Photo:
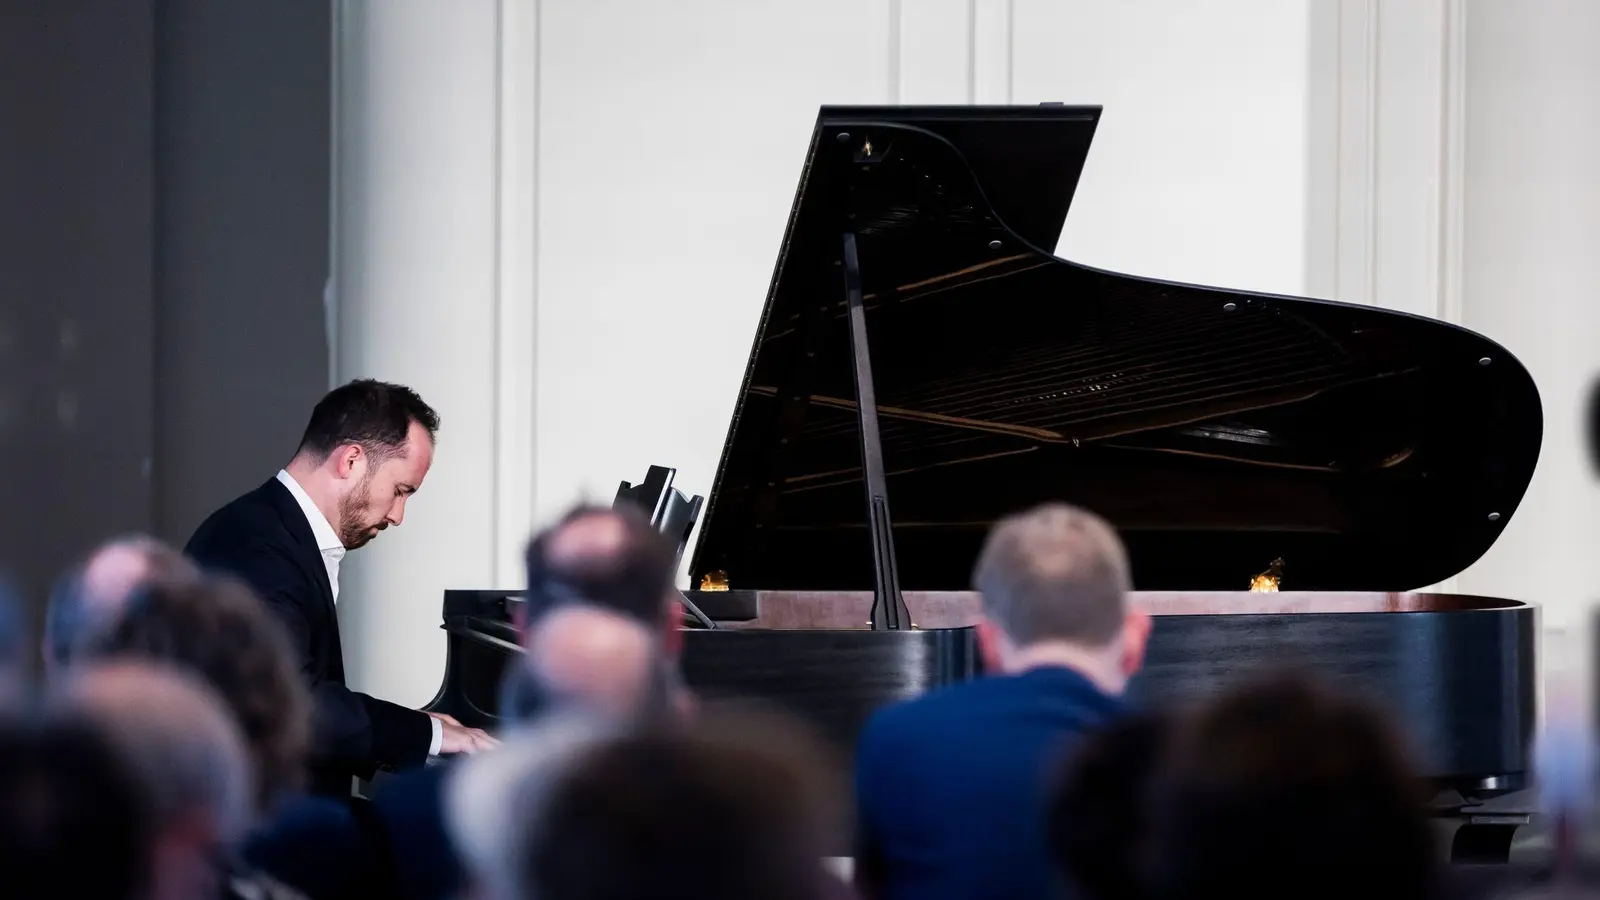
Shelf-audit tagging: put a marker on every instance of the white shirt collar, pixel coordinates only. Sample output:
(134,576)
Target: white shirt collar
(328,543)
(327,539)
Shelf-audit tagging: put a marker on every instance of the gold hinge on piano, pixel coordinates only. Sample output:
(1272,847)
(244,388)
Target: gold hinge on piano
(1269,580)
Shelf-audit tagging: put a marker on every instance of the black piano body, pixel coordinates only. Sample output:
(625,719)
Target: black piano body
(1374,453)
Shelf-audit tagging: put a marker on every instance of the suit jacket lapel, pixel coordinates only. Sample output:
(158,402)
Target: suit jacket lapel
(310,559)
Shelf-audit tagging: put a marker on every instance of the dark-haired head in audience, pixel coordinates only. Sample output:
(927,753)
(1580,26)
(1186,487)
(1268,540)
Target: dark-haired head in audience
(217,629)
(631,815)
(186,751)
(1098,821)
(606,557)
(73,820)
(1285,788)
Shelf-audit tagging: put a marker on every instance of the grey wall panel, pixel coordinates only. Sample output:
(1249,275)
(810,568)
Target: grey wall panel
(76,308)
(242,143)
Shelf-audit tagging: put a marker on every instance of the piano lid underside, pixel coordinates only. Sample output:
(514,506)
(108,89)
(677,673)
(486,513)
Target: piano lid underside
(1218,430)
(1216,440)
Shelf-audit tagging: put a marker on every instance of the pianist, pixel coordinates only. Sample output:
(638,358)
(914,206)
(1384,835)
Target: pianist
(952,786)
(364,453)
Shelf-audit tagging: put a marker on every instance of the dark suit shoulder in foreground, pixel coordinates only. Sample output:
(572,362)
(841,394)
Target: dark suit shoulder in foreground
(952,787)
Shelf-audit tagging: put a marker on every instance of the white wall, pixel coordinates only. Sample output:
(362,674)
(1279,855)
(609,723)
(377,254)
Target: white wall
(417,300)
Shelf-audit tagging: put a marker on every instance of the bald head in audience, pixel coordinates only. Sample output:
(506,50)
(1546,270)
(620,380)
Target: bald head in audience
(609,558)
(188,755)
(88,600)
(592,659)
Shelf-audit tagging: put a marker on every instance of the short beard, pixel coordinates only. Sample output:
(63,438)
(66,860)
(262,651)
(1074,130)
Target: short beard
(353,532)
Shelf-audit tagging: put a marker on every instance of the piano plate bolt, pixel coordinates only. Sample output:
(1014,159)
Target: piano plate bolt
(1229,307)
(1494,517)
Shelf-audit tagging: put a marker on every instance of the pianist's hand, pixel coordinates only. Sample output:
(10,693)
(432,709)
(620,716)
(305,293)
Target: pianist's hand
(458,738)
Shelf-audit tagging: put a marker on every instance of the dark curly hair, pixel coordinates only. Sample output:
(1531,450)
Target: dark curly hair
(218,628)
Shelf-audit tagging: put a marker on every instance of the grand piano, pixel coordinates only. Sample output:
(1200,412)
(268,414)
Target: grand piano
(1289,474)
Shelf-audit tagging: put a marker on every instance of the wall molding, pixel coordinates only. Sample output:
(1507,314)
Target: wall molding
(1387,138)
(950,51)
(516,283)
(1453,163)
(992,46)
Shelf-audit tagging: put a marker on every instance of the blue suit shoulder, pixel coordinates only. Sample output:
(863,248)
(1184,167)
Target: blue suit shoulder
(935,709)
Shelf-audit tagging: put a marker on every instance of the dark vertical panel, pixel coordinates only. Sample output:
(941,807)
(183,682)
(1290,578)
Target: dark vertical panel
(243,93)
(75,278)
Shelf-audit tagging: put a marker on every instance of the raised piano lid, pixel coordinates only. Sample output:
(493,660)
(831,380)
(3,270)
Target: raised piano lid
(1218,429)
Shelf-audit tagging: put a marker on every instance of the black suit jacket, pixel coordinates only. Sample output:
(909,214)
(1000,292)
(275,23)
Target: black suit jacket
(263,538)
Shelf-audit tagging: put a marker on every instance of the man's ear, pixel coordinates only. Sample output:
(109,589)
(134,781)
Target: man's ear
(348,459)
(1135,637)
(990,644)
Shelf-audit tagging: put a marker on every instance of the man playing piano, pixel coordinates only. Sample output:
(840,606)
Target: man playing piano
(365,451)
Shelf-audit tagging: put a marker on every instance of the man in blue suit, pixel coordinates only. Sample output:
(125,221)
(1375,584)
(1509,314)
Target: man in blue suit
(952,787)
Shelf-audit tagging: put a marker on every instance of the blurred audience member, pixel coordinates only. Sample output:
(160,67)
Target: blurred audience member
(186,750)
(591,658)
(951,787)
(216,628)
(1098,820)
(88,599)
(483,807)
(72,816)
(605,557)
(583,659)
(14,650)
(1286,789)
(738,807)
